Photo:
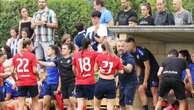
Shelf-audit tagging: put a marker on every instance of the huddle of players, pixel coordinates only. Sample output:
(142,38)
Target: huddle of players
(135,68)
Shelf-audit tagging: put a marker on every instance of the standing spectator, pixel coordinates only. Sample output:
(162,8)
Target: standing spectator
(127,81)
(182,16)
(146,12)
(163,17)
(106,16)
(25,22)
(170,73)
(66,39)
(44,23)
(147,72)
(80,35)
(126,13)
(13,41)
(96,33)
(24,34)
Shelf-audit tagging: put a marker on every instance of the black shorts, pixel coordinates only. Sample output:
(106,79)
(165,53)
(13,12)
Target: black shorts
(171,83)
(85,91)
(67,90)
(2,93)
(50,90)
(153,80)
(105,89)
(27,91)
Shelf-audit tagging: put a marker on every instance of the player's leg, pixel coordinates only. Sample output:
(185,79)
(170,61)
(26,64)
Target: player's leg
(154,90)
(97,103)
(129,92)
(33,92)
(80,95)
(80,103)
(142,93)
(47,98)
(22,94)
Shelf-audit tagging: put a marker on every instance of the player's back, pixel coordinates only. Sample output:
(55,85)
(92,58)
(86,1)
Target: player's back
(108,63)
(24,63)
(84,66)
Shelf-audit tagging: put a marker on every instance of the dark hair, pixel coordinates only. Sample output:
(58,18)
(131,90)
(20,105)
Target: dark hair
(15,29)
(7,51)
(69,46)
(25,30)
(96,14)
(26,42)
(130,39)
(185,53)
(173,52)
(79,26)
(20,10)
(148,6)
(85,43)
(56,49)
(99,2)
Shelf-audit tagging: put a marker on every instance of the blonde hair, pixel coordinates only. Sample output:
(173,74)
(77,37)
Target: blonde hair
(65,37)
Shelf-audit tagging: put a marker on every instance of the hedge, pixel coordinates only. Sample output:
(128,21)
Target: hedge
(68,12)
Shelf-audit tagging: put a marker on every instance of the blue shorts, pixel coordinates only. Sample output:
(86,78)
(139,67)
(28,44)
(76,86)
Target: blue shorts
(43,89)
(127,93)
(2,93)
(105,89)
(50,90)
(27,91)
(152,82)
(85,91)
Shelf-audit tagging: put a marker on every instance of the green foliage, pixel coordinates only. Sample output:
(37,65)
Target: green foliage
(68,12)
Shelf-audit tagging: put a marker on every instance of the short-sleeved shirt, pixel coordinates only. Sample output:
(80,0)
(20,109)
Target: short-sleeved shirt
(84,61)
(191,67)
(52,72)
(164,18)
(173,67)
(124,16)
(24,63)
(183,18)
(106,17)
(127,77)
(142,55)
(1,72)
(108,64)
(65,68)
(101,32)
(78,38)
(43,33)
(149,20)
(13,44)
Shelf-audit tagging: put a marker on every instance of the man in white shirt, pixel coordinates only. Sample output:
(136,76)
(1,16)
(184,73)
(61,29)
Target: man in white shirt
(96,33)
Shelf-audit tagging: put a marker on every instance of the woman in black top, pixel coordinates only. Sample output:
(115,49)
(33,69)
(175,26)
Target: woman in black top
(25,22)
(146,12)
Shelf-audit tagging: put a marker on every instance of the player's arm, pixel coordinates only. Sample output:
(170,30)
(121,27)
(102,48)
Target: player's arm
(128,68)
(59,85)
(48,64)
(160,72)
(188,76)
(13,71)
(96,67)
(147,70)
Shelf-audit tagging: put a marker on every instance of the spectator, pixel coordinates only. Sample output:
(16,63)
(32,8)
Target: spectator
(126,13)
(96,33)
(24,34)
(163,17)
(182,16)
(146,12)
(106,16)
(44,23)
(133,21)
(66,39)
(80,35)
(25,22)
(13,41)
